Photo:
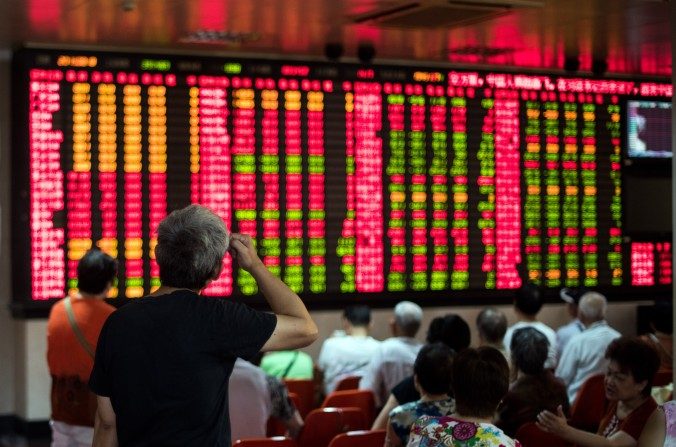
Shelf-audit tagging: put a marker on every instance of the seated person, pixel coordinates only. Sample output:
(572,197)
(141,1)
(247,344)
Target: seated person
(633,364)
(572,298)
(491,325)
(348,355)
(660,430)
(528,301)
(432,377)
(480,381)
(254,398)
(662,326)
(535,388)
(450,330)
(288,365)
(394,358)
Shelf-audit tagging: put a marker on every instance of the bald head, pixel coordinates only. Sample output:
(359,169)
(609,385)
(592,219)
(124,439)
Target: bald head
(592,308)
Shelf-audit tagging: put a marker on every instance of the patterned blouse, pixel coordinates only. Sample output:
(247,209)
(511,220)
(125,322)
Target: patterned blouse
(450,432)
(403,416)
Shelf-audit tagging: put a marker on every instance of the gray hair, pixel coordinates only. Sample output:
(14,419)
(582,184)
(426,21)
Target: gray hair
(492,325)
(529,350)
(592,306)
(191,244)
(408,316)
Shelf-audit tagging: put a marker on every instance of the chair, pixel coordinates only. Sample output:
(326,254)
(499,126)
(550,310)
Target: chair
(590,404)
(359,438)
(323,424)
(363,399)
(277,441)
(275,426)
(663,378)
(305,389)
(348,383)
(530,435)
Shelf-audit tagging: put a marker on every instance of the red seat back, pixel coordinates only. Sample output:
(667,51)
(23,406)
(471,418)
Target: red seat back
(360,438)
(663,378)
(323,424)
(353,398)
(277,441)
(305,389)
(348,383)
(590,404)
(531,436)
(275,426)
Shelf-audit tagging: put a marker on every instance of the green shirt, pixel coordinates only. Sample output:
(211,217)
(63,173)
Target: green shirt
(288,365)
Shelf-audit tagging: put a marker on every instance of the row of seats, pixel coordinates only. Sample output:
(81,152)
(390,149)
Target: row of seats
(357,438)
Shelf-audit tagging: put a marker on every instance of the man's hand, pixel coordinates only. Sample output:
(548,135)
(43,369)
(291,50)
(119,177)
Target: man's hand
(243,252)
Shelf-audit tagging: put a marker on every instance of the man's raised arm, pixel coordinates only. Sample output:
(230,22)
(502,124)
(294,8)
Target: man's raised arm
(295,328)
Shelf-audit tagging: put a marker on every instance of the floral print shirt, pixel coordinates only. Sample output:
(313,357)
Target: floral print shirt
(446,431)
(403,416)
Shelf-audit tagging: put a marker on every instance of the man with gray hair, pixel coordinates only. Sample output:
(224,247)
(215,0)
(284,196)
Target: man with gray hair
(584,354)
(393,360)
(491,324)
(163,362)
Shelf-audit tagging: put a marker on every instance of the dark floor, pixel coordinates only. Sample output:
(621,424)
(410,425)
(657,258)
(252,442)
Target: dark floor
(20,441)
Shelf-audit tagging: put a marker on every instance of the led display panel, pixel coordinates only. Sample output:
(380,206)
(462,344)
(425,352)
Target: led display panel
(352,179)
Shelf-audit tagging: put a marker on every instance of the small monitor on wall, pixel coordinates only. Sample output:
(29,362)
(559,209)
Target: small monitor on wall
(649,129)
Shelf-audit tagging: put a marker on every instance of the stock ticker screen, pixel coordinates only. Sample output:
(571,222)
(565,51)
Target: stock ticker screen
(352,179)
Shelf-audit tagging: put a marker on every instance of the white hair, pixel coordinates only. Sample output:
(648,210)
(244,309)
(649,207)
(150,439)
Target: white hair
(592,306)
(408,316)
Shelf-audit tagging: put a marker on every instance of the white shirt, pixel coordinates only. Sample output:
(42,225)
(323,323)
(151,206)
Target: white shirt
(585,356)
(566,332)
(391,363)
(345,356)
(548,332)
(250,404)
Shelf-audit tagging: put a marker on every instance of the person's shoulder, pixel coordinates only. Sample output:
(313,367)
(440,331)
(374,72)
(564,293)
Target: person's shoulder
(545,329)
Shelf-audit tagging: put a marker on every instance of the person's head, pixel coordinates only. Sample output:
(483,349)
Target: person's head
(528,300)
(661,318)
(491,325)
(529,348)
(480,381)
(450,330)
(358,316)
(592,308)
(433,369)
(631,369)
(572,295)
(191,244)
(96,272)
(407,319)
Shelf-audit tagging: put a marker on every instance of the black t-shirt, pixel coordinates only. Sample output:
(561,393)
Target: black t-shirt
(165,363)
(405,391)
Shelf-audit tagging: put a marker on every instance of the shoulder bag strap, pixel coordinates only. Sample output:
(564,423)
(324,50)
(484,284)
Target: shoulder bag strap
(290,365)
(73,324)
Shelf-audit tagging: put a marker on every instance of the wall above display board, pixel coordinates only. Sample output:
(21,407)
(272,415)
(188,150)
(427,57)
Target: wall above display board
(358,182)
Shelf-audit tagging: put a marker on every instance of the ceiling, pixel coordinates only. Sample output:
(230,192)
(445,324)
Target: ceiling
(631,36)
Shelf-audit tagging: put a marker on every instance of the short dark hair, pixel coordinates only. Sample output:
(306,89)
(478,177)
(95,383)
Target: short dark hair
(636,357)
(450,330)
(661,317)
(528,299)
(434,368)
(492,325)
(95,271)
(358,315)
(528,349)
(480,381)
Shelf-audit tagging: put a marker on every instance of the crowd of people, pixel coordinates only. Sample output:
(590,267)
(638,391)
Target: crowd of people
(175,368)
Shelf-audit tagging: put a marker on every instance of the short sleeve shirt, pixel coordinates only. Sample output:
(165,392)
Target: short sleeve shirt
(450,432)
(403,416)
(165,363)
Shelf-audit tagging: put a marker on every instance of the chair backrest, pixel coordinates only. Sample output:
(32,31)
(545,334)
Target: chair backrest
(363,399)
(277,441)
(359,438)
(321,425)
(531,436)
(348,383)
(305,389)
(663,378)
(590,404)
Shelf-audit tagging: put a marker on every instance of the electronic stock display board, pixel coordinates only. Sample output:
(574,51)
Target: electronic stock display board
(366,180)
